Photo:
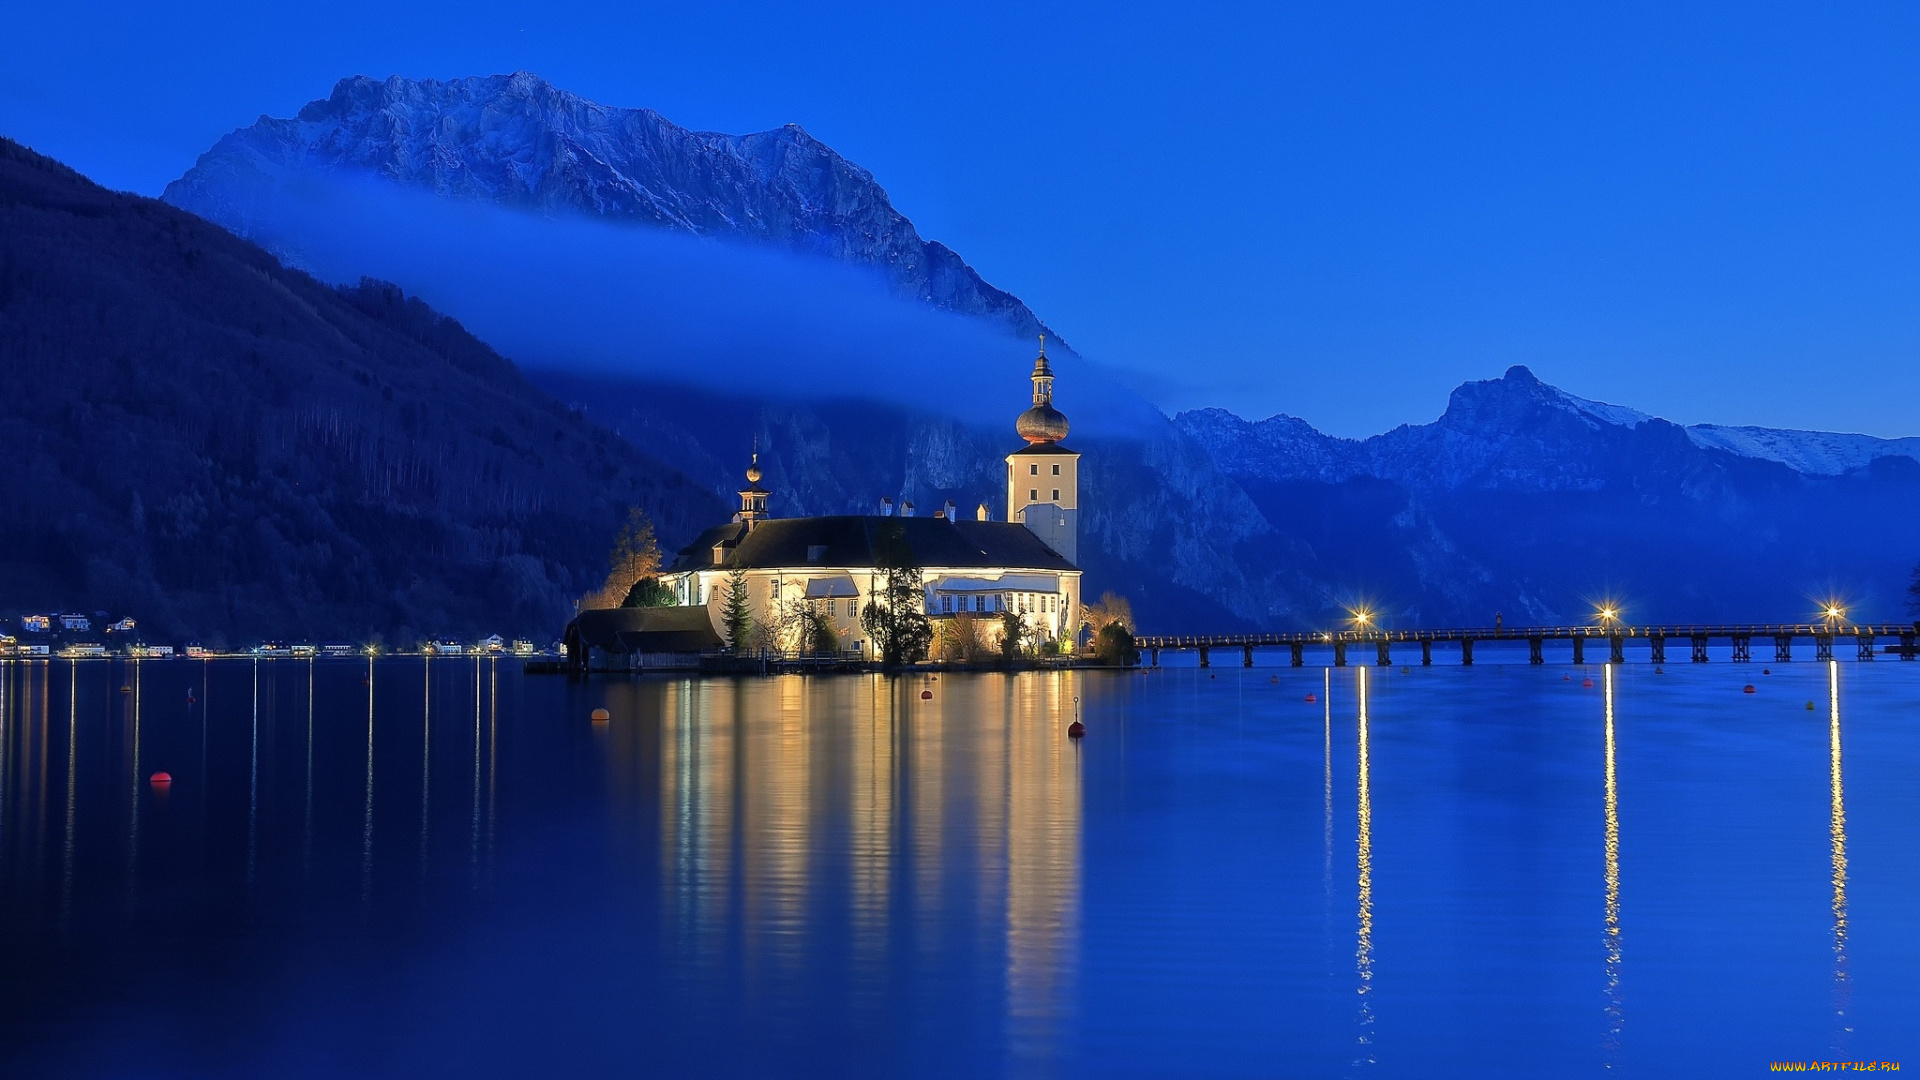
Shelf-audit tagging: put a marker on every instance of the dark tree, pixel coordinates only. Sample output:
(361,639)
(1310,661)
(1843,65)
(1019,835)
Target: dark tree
(893,616)
(1013,634)
(649,592)
(1114,646)
(1913,591)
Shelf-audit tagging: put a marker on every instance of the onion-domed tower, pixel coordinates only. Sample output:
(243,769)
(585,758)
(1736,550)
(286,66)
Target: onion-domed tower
(1043,478)
(753,497)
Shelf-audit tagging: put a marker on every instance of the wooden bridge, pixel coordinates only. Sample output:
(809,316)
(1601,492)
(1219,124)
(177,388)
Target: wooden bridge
(1613,638)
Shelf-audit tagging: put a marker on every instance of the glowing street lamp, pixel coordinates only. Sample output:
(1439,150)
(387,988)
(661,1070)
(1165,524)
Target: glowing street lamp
(1609,615)
(1833,613)
(1362,619)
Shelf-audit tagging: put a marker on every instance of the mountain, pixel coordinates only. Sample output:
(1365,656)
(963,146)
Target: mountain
(1524,499)
(211,442)
(516,140)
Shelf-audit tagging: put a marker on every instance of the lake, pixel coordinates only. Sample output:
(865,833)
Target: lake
(414,867)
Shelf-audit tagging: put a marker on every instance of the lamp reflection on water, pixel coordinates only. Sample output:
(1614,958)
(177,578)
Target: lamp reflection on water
(1837,827)
(1615,1007)
(1364,952)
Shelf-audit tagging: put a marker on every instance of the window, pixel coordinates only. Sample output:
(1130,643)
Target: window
(946,602)
(1056,470)
(1033,469)
(979,603)
(1033,495)
(1056,494)
(776,591)
(853,609)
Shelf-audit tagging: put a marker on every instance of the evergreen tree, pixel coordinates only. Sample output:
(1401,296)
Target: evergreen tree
(1913,591)
(736,612)
(900,630)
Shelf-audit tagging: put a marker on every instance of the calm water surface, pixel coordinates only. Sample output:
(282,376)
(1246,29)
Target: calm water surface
(432,868)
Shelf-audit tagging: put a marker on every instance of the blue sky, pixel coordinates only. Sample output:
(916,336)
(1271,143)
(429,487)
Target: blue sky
(1339,211)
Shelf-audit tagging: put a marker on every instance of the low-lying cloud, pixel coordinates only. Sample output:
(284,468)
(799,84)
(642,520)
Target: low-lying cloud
(585,295)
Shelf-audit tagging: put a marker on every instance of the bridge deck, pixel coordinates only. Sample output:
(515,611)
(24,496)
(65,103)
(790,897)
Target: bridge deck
(1527,633)
(1698,636)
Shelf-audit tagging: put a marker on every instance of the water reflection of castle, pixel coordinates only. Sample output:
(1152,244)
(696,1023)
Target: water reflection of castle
(790,804)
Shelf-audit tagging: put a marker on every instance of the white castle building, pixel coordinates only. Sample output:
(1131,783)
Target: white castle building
(972,566)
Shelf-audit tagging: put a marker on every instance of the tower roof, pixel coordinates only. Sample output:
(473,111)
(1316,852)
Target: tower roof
(1043,423)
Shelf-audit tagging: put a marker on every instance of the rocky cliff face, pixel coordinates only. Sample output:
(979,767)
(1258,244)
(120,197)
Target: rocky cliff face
(517,140)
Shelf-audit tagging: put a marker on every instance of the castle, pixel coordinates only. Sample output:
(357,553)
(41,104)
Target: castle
(974,567)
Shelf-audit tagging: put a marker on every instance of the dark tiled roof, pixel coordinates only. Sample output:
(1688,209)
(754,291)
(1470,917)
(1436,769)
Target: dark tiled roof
(657,629)
(847,541)
(1043,448)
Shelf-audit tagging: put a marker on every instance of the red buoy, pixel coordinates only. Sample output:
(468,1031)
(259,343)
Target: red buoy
(926,695)
(1748,689)
(1313,697)
(601,716)
(160,779)
(1076,729)
(1586,682)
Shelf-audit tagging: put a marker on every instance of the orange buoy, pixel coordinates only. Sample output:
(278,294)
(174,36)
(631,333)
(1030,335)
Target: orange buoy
(601,716)
(926,695)
(1586,682)
(1748,689)
(1313,697)
(160,779)
(1076,729)
(125,689)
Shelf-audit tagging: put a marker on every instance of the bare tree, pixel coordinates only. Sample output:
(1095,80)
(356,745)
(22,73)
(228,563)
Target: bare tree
(635,557)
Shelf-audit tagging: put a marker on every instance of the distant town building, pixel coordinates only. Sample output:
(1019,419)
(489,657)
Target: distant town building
(36,624)
(125,625)
(75,622)
(1024,564)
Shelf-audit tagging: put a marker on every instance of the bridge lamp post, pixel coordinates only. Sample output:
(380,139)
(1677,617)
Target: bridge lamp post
(1609,616)
(1834,613)
(1362,620)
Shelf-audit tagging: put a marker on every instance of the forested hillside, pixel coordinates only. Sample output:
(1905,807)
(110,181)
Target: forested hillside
(195,435)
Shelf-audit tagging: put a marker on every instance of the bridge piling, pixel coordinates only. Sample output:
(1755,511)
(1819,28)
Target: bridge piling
(1534,654)
(1823,646)
(1384,660)
(1618,653)
(1205,659)
(1907,649)
(1742,648)
(1426,652)
(1299,654)
(1783,648)
(1659,650)
(1466,652)
(1156,656)
(1579,649)
(1699,648)
(1865,640)
(1339,654)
